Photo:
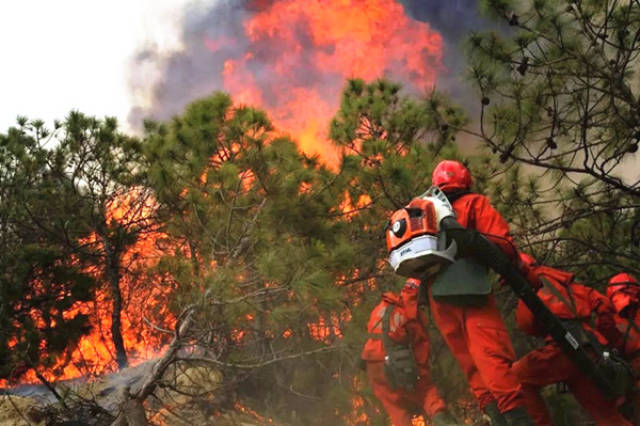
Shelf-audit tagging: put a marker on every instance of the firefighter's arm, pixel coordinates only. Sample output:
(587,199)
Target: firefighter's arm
(600,303)
(489,222)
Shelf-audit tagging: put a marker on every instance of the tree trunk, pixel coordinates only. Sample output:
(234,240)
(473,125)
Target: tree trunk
(113,255)
(132,411)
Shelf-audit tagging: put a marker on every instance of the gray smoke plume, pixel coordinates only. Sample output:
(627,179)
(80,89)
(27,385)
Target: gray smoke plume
(455,20)
(215,33)
(194,71)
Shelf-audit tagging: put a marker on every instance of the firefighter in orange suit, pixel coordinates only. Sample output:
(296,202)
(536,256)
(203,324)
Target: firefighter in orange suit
(568,300)
(624,293)
(397,326)
(475,332)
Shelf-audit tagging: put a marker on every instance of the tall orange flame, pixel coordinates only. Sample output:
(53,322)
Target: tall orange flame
(143,293)
(300,54)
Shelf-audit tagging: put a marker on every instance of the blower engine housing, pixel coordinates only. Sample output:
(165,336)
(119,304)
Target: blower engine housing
(415,241)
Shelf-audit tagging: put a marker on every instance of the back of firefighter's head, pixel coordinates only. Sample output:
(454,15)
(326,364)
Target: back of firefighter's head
(412,285)
(624,292)
(451,176)
(410,296)
(410,291)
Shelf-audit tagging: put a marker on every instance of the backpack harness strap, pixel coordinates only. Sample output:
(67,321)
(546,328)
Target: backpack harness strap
(400,364)
(590,338)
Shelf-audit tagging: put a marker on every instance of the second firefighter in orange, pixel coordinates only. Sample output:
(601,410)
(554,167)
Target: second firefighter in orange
(405,326)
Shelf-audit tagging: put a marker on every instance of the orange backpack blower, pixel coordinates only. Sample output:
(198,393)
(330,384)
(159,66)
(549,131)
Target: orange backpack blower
(415,241)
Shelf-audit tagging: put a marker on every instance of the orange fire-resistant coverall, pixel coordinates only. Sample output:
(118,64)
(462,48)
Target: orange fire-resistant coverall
(629,328)
(549,364)
(630,343)
(407,323)
(628,324)
(477,336)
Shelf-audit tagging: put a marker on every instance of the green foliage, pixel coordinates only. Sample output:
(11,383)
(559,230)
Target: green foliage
(256,220)
(60,190)
(283,258)
(40,282)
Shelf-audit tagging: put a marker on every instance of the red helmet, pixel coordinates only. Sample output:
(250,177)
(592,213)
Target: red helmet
(622,278)
(411,284)
(410,296)
(450,175)
(624,291)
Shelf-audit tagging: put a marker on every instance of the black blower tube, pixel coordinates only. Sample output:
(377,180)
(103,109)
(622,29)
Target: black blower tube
(475,244)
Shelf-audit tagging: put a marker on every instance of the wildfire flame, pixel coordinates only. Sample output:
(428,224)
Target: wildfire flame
(143,295)
(300,53)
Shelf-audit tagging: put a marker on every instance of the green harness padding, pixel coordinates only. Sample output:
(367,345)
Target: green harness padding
(400,365)
(462,283)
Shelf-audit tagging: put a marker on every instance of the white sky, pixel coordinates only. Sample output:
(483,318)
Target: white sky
(59,55)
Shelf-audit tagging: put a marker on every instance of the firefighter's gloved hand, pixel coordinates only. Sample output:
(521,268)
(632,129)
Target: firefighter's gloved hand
(443,418)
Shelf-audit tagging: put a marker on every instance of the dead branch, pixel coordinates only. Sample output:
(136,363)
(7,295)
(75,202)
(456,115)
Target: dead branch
(260,364)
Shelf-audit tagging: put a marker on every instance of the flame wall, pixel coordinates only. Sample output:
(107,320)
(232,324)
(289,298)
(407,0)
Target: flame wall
(292,57)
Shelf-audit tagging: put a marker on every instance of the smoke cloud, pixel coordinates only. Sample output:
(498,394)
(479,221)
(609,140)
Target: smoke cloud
(454,20)
(193,71)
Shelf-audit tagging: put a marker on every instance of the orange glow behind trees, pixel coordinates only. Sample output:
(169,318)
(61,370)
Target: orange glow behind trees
(144,293)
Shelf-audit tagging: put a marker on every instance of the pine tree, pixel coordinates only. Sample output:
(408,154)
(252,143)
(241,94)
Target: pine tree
(39,282)
(102,166)
(82,192)
(255,248)
(559,101)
